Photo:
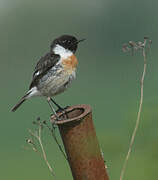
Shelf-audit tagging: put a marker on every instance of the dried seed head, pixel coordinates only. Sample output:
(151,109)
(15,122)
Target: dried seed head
(139,43)
(38,118)
(146,37)
(29,141)
(44,122)
(131,43)
(34,122)
(124,47)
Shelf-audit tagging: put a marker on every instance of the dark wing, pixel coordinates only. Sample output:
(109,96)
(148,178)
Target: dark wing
(43,65)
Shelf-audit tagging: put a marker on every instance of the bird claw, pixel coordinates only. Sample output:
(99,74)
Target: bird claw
(63,110)
(55,118)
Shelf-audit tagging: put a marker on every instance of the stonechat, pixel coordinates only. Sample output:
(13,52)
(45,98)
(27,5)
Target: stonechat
(55,71)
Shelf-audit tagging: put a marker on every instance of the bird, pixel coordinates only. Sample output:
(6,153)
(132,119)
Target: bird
(55,71)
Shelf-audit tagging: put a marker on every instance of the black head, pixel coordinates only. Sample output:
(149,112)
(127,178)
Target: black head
(66,41)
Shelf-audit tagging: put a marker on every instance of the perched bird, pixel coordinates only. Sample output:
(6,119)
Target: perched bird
(55,71)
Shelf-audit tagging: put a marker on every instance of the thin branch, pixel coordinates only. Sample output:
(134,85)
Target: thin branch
(43,151)
(55,139)
(142,47)
(37,135)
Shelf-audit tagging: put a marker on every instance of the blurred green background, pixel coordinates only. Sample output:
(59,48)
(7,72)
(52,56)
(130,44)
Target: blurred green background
(107,79)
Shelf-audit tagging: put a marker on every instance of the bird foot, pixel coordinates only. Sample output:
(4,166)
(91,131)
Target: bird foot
(55,119)
(60,110)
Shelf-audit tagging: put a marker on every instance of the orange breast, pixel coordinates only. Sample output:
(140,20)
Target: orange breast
(70,62)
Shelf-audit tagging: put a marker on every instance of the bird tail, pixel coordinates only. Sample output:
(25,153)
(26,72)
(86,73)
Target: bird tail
(20,102)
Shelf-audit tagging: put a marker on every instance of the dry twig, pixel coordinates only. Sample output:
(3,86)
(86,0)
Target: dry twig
(37,135)
(133,46)
(55,139)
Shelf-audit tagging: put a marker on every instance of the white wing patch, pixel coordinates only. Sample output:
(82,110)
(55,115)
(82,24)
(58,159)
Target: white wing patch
(37,73)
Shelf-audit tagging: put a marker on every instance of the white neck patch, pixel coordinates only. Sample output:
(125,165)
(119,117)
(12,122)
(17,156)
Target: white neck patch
(64,53)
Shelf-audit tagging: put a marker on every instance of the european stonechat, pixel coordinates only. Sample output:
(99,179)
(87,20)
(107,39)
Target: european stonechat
(55,71)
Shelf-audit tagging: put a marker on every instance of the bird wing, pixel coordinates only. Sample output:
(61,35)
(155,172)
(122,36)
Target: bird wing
(43,65)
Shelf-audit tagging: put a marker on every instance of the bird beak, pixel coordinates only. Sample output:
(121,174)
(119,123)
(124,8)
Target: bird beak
(80,40)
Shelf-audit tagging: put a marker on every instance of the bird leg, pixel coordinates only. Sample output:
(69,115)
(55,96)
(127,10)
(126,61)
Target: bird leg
(60,109)
(57,105)
(53,126)
(48,100)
